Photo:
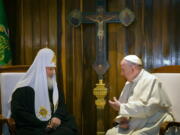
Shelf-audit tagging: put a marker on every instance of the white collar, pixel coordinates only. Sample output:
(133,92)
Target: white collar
(138,76)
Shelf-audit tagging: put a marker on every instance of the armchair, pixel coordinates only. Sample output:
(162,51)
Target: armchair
(170,77)
(9,76)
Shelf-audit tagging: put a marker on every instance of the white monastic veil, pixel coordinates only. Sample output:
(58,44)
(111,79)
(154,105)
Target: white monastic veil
(37,79)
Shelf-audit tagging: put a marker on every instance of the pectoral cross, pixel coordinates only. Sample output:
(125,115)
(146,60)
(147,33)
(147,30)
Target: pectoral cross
(101,18)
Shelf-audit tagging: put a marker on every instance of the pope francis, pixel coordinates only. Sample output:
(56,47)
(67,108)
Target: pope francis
(143,104)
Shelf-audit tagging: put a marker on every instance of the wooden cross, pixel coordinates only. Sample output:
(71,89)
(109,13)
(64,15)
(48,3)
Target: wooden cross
(101,65)
(101,18)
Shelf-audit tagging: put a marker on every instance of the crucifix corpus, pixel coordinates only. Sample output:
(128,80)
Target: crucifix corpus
(101,65)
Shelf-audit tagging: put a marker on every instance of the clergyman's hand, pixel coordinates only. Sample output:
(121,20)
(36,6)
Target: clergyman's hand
(54,123)
(124,123)
(115,104)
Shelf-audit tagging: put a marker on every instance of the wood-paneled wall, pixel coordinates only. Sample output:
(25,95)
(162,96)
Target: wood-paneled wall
(33,25)
(154,36)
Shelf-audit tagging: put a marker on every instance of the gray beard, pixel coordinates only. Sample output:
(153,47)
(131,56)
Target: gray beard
(50,83)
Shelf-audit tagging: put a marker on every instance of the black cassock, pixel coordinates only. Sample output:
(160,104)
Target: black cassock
(23,112)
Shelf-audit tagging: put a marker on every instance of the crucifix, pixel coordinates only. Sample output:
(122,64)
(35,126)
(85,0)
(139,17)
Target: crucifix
(101,18)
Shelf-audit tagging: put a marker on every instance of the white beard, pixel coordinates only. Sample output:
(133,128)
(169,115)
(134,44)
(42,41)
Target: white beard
(50,83)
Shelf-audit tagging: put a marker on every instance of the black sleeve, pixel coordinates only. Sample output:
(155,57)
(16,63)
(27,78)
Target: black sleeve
(22,108)
(61,111)
(66,118)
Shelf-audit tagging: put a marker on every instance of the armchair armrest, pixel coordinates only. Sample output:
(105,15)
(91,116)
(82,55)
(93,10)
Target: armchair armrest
(10,122)
(166,125)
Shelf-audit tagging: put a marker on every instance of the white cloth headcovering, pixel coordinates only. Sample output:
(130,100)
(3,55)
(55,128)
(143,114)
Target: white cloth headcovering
(134,59)
(36,78)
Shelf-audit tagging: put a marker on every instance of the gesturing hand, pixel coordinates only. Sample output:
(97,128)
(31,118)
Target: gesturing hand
(115,104)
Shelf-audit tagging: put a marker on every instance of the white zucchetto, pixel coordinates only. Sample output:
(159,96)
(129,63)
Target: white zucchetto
(134,59)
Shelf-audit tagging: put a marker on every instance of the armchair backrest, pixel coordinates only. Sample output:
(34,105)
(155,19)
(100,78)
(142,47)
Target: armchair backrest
(170,78)
(7,83)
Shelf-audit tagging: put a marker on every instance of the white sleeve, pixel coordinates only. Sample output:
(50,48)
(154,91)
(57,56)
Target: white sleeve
(137,109)
(150,100)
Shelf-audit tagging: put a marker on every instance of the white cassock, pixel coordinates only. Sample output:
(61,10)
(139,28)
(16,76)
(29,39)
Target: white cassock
(146,105)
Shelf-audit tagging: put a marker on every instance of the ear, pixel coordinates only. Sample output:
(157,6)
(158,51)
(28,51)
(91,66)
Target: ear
(133,68)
